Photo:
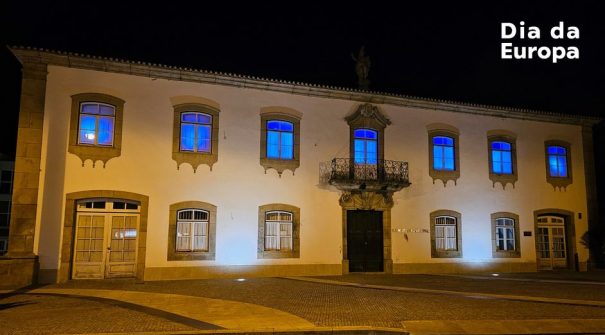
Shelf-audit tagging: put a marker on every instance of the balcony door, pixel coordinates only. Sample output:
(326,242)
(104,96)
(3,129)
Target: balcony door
(365,154)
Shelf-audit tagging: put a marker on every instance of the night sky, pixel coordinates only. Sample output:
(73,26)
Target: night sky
(448,50)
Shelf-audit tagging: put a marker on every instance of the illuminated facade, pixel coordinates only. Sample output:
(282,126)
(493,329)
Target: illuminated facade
(136,170)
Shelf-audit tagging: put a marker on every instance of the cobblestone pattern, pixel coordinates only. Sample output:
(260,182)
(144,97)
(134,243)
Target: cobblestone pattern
(330,305)
(40,314)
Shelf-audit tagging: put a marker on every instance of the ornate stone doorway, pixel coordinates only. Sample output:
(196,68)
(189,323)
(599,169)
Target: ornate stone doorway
(366,232)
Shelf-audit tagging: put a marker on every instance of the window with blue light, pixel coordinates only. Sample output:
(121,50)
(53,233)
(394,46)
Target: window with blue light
(502,157)
(443,153)
(365,146)
(557,161)
(96,124)
(196,132)
(280,139)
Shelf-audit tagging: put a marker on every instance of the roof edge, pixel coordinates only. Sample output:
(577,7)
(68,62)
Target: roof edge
(160,71)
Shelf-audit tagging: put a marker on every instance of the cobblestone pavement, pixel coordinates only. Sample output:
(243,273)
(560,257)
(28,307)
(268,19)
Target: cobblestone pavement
(43,314)
(323,305)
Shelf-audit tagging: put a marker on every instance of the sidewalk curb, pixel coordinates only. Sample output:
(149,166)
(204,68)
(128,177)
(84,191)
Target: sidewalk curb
(316,330)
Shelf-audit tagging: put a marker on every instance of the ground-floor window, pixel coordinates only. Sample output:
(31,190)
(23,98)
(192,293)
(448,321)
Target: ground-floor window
(278,231)
(446,240)
(192,230)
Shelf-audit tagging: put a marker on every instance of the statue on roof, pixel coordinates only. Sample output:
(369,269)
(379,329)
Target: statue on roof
(362,68)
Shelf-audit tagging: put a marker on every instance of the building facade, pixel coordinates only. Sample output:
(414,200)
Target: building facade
(136,170)
(6,185)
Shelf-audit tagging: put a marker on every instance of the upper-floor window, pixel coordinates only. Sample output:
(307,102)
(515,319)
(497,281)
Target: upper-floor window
(558,163)
(443,153)
(192,230)
(280,139)
(502,157)
(196,132)
(96,125)
(195,135)
(365,144)
(502,151)
(6,181)
(5,208)
(95,130)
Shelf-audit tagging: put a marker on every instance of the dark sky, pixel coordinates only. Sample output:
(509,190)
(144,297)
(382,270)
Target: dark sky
(448,50)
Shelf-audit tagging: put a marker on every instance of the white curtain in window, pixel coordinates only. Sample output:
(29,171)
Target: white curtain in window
(272,236)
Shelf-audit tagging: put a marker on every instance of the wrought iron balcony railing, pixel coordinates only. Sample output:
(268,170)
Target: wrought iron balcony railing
(345,173)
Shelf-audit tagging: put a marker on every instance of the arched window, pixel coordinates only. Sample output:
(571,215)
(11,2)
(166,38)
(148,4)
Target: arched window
(192,230)
(446,234)
(557,161)
(278,230)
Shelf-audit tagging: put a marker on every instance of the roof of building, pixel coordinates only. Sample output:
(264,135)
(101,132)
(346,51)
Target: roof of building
(160,71)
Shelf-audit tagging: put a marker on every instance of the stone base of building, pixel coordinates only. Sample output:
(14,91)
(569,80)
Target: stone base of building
(464,267)
(241,271)
(18,272)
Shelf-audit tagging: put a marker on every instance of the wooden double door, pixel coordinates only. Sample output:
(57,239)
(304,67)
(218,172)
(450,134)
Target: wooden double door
(105,242)
(365,241)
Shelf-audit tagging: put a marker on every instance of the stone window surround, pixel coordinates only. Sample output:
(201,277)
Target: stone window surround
(172,254)
(279,114)
(195,159)
(67,243)
(367,116)
(268,254)
(558,182)
(95,152)
(503,136)
(446,253)
(506,253)
(439,129)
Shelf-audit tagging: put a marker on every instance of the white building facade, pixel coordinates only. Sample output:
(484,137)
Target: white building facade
(137,170)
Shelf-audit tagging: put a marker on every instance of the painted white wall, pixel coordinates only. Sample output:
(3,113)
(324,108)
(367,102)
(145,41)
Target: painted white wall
(237,185)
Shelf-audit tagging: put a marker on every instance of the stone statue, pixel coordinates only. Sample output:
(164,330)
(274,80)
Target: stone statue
(362,68)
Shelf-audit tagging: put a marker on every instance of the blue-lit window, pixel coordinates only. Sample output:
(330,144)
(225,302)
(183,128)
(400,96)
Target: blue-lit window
(96,124)
(557,161)
(280,139)
(196,132)
(443,153)
(502,158)
(365,146)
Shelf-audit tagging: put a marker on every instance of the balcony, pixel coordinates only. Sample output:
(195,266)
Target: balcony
(346,175)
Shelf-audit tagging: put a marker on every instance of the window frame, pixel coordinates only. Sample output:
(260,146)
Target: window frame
(191,223)
(280,146)
(502,178)
(278,235)
(443,130)
(558,182)
(438,253)
(195,158)
(365,141)
(496,253)
(263,210)
(280,164)
(95,152)
(177,255)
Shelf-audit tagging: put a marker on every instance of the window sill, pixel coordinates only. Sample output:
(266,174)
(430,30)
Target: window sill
(270,254)
(195,159)
(506,254)
(280,165)
(446,254)
(191,256)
